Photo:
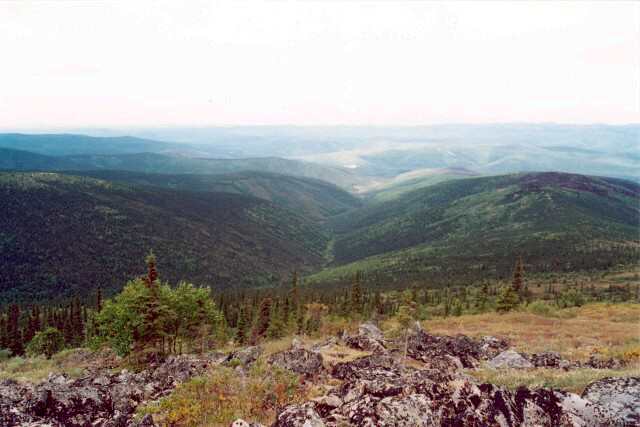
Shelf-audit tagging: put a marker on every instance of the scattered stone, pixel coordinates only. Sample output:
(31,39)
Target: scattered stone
(509,359)
(298,360)
(620,396)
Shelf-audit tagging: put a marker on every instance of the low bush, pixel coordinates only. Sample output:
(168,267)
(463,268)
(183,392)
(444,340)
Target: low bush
(224,394)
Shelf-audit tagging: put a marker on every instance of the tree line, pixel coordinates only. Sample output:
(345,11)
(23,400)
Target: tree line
(150,318)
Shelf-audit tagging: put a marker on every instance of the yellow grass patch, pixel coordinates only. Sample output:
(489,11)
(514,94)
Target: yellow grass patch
(574,380)
(575,333)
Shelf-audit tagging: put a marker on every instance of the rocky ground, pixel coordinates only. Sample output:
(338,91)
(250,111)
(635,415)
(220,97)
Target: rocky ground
(428,387)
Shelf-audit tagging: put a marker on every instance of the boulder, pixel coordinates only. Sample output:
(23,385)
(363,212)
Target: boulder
(369,338)
(490,346)
(619,396)
(299,360)
(299,416)
(435,350)
(244,357)
(597,363)
(547,359)
(509,359)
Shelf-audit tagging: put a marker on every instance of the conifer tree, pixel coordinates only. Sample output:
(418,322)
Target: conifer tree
(151,321)
(264,317)
(99,299)
(4,337)
(14,334)
(507,300)
(356,295)
(242,325)
(518,278)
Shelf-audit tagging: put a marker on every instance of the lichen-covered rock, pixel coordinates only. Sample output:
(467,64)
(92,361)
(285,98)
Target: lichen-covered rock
(509,359)
(597,363)
(432,349)
(619,396)
(298,360)
(369,338)
(490,346)
(244,357)
(105,399)
(299,416)
(547,359)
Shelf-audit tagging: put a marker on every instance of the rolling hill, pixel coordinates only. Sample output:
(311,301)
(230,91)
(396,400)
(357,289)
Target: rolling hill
(63,235)
(72,144)
(461,228)
(149,162)
(312,198)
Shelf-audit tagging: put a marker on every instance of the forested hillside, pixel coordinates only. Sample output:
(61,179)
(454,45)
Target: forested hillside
(465,229)
(64,235)
(312,198)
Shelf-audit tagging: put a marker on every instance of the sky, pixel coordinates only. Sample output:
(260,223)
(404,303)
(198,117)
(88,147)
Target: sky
(136,63)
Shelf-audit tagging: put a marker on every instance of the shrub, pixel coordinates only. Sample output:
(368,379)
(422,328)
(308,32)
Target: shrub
(224,395)
(47,343)
(540,308)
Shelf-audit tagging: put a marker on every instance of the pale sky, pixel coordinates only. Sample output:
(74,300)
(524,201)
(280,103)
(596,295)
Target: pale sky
(136,63)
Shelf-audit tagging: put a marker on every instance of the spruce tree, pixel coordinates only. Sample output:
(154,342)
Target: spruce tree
(356,295)
(507,299)
(264,318)
(14,334)
(518,278)
(151,331)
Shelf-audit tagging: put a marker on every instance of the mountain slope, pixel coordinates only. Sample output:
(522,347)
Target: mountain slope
(62,235)
(311,198)
(479,223)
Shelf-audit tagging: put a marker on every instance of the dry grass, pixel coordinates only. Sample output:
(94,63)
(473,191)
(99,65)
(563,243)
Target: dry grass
(574,380)
(575,333)
(225,394)
(36,369)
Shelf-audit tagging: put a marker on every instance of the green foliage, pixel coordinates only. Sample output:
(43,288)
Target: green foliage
(507,299)
(256,241)
(463,231)
(223,396)
(47,342)
(146,311)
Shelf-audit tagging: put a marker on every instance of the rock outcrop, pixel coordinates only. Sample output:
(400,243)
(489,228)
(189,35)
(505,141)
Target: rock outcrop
(105,399)
(509,359)
(243,357)
(620,396)
(368,338)
(432,349)
(379,390)
(299,360)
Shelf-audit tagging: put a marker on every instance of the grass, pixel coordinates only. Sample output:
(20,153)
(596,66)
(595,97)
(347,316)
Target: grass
(36,369)
(573,380)
(225,394)
(575,333)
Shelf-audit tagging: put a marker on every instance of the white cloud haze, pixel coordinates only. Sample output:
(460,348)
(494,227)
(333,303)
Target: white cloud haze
(135,63)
